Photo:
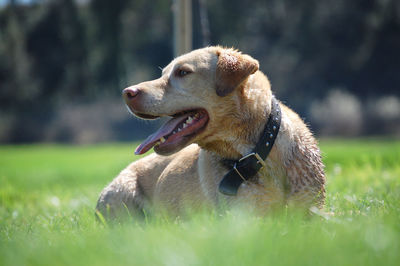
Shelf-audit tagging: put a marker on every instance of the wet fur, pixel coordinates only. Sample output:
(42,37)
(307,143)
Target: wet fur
(237,96)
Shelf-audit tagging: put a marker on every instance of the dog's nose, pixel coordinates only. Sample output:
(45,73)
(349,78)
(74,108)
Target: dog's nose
(130,93)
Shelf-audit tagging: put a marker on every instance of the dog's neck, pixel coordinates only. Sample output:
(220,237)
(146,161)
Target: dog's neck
(246,122)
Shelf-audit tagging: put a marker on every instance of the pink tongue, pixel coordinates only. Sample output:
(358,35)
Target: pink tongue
(166,129)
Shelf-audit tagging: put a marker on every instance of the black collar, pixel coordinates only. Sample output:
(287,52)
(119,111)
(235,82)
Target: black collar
(248,166)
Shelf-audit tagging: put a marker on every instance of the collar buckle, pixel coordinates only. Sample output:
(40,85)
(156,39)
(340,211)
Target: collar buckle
(256,155)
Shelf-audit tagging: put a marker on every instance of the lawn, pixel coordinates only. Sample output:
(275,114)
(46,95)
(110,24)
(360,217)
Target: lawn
(48,194)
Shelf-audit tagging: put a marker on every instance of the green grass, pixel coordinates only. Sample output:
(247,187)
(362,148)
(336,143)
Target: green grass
(48,194)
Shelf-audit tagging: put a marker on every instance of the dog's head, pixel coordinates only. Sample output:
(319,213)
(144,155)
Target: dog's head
(199,91)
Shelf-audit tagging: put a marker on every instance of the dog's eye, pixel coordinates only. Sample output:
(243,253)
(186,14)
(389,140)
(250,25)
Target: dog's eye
(182,73)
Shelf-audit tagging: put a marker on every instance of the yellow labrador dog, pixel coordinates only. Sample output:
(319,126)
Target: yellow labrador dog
(228,140)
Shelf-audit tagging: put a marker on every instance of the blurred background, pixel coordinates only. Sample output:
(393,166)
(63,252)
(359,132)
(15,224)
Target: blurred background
(64,63)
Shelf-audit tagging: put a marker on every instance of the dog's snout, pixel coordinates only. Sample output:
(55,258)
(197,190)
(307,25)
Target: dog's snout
(130,93)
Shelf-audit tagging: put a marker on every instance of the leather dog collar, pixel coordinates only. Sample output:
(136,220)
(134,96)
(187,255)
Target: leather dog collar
(249,165)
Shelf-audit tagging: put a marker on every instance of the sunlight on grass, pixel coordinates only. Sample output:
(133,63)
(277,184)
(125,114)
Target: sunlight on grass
(48,194)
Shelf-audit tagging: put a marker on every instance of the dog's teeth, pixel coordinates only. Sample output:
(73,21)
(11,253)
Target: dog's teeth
(174,132)
(157,143)
(179,129)
(184,125)
(162,139)
(189,120)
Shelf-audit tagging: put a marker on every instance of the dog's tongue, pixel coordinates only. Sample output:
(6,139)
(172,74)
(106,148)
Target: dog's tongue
(165,130)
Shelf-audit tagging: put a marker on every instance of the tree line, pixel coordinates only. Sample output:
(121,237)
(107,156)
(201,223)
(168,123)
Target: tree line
(53,52)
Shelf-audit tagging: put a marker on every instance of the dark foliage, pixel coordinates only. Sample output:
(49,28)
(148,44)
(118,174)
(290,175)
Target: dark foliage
(58,52)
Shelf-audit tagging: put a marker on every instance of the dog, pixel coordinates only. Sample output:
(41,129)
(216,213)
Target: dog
(219,104)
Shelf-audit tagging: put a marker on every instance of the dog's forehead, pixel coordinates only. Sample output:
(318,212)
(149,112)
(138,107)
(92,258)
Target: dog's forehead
(201,58)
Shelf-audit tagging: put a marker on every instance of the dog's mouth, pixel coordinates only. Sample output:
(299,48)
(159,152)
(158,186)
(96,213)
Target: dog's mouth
(176,133)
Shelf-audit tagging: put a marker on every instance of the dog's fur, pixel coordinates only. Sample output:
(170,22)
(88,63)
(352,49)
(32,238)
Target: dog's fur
(237,97)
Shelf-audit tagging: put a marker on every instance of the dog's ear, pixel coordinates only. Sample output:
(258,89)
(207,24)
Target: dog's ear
(232,69)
